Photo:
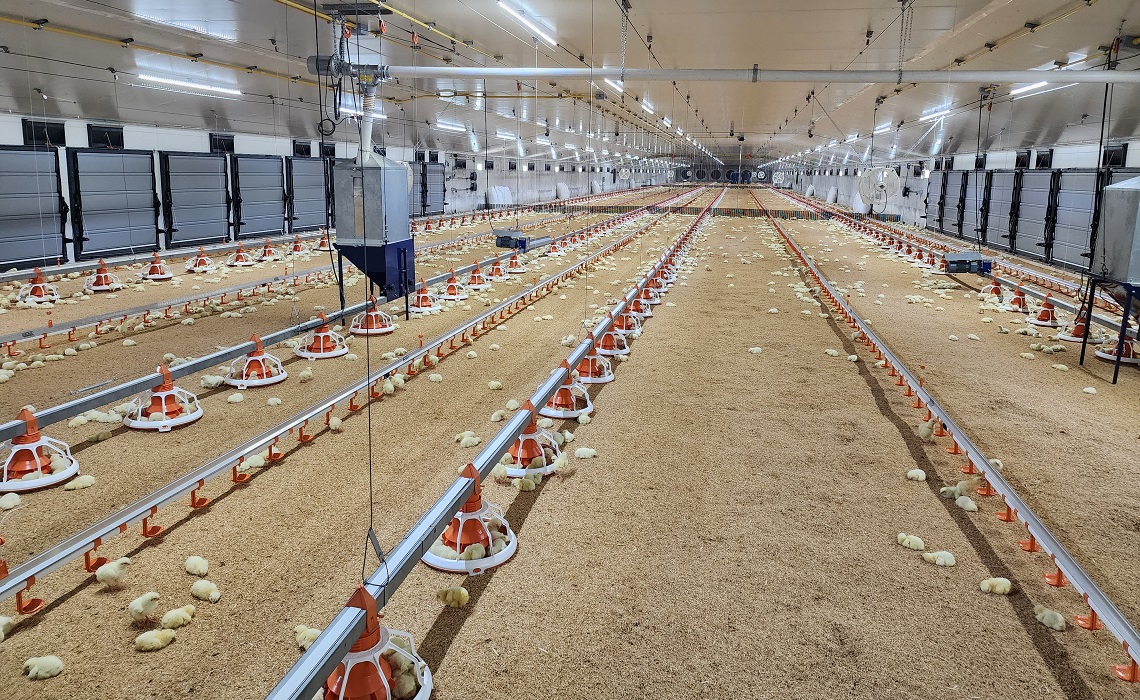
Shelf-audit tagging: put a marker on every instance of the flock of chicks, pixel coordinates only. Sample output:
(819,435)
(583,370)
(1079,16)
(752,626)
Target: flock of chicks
(142,613)
(960,491)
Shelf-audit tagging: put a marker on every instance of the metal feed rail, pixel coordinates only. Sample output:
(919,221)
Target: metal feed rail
(305,677)
(174,254)
(73,408)
(844,219)
(86,542)
(1113,619)
(44,332)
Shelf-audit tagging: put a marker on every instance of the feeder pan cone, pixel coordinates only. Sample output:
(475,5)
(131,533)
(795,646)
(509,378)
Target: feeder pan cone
(514,267)
(640,309)
(452,290)
(650,296)
(1047,316)
(298,247)
(570,400)
(157,270)
(1129,356)
(496,274)
(594,369)
(322,343)
(324,246)
(1078,332)
(38,290)
(372,322)
(1018,303)
(613,344)
(167,407)
(477,280)
(268,252)
(941,269)
(627,324)
(258,368)
(366,671)
(200,263)
(424,302)
(532,445)
(478,522)
(102,280)
(993,289)
(34,452)
(240,258)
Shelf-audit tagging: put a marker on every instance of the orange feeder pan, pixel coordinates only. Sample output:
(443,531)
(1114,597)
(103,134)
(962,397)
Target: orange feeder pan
(200,262)
(452,290)
(1018,303)
(1128,356)
(496,274)
(37,290)
(102,280)
(322,343)
(1078,332)
(478,522)
(258,368)
(372,322)
(268,253)
(424,302)
(532,445)
(240,258)
(35,453)
(594,369)
(514,266)
(166,408)
(365,673)
(324,245)
(477,280)
(298,247)
(569,401)
(627,324)
(613,344)
(1047,316)
(158,270)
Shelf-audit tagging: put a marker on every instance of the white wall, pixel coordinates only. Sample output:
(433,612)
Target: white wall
(911,208)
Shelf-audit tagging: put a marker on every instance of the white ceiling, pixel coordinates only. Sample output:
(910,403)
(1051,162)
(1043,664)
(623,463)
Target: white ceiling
(67,63)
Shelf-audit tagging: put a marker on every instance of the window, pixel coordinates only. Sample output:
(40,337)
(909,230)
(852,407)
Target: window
(530,167)
(421,157)
(302,149)
(433,156)
(937,164)
(1022,160)
(109,137)
(221,143)
(1114,156)
(328,150)
(40,133)
(546,166)
(460,163)
(489,164)
(513,165)
(380,151)
(980,162)
(1044,159)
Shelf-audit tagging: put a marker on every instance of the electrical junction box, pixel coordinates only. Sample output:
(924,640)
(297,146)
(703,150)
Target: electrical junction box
(1116,255)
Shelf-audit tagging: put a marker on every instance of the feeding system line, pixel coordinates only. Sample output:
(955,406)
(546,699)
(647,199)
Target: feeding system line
(305,677)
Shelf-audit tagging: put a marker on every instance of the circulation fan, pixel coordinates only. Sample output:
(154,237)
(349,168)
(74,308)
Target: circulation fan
(624,174)
(877,185)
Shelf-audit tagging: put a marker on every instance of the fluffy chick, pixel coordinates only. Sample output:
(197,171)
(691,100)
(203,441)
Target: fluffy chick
(305,636)
(1050,618)
(178,617)
(111,574)
(154,640)
(41,667)
(205,590)
(143,608)
(996,586)
(197,566)
(939,558)
(911,542)
(966,503)
(455,597)
(916,475)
